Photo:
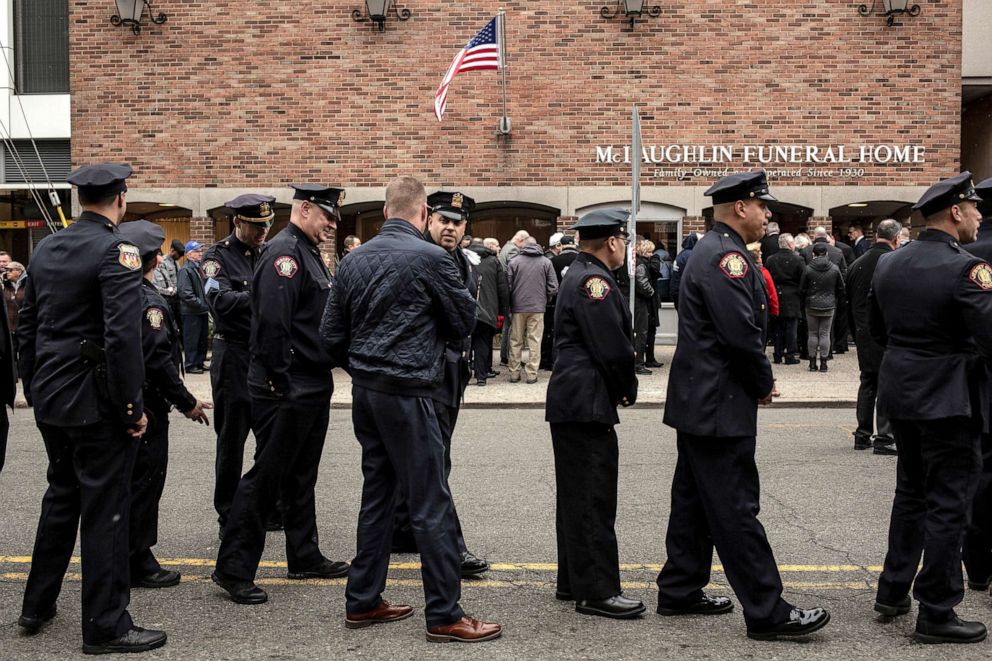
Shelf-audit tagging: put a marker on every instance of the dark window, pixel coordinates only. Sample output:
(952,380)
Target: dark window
(21,164)
(41,44)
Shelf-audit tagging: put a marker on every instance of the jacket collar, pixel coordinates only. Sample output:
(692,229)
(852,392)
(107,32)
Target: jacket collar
(89,216)
(401,226)
(589,258)
(938,236)
(727,230)
(240,245)
(298,233)
(878,246)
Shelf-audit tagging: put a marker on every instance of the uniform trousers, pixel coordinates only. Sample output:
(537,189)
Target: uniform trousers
(89,485)
(586,457)
(4,431)
(840,330)
(447,418)
(402,448)
(548,337)
(715,503)
(867,394)
(290,437)
(147,484)
(482,350)
(232,419)
(977,549)
(936,474)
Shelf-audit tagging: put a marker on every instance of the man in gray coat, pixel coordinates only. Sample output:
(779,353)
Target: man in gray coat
(532,283)
(510,250)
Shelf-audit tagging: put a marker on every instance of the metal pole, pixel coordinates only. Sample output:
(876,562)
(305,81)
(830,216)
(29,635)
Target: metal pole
(505,123)
(635,199)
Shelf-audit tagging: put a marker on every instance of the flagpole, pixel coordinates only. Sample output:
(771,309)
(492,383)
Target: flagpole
(504,125)
(635,199)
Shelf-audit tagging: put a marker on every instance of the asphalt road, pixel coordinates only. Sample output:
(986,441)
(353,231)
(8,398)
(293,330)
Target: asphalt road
(825,507)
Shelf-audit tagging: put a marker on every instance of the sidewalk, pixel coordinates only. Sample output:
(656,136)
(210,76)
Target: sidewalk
(800,388)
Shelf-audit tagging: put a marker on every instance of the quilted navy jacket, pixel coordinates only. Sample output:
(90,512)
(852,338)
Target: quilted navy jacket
(395,301)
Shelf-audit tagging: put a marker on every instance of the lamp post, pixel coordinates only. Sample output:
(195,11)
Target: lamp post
(130,12)
(378,10)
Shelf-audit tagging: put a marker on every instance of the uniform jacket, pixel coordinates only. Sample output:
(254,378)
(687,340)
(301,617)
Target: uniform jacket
(532,280)
(288,292)
(160,347)
(167,276)
(787,268)
(720,371)
(192,298)
(822,285)
(933,335)
(678,268)
(396,302)
(84,283)
(229,267)
(594,369)
(456,351)
(858,285)
(494,292)
(8,371)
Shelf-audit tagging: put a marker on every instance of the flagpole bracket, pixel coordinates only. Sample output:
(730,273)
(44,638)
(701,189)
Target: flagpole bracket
(504,127)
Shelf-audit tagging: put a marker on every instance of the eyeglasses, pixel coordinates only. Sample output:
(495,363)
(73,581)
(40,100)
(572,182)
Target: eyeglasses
(623,237)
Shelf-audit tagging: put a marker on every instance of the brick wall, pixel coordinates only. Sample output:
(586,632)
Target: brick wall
(246,93)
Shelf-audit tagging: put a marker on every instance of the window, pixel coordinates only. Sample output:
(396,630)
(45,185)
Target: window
(41,46)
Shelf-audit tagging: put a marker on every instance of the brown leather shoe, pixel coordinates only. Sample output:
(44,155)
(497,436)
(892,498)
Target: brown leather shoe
(466,630)
(384,612)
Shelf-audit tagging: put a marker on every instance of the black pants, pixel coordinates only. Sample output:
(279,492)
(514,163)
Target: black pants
(977,550)
(4,432)
(232,420)
(402,447)
(447,418)
(548,338)
(867,393)
(784,332)
(196,327)
(715,503)
(89,484)
(147,484)
(640,332)
(649,347)
(586,458)
(839,331)
(290,438)
(937,472)
(482,350)
(802,335)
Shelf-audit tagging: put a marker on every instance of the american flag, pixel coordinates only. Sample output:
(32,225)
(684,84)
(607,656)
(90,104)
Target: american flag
(482,53)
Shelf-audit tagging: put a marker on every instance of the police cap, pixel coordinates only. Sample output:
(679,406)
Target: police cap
(145,234)
(451,205)
(101,179)
(328,199)
(602,223)
(741,186)
(984,190)
(946,194)
(258,209)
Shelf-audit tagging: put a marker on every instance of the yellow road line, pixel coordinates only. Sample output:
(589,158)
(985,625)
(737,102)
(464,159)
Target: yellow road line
(496,566)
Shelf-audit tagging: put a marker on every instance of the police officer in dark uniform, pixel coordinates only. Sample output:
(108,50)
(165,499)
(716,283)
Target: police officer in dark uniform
(8,379)
(977,550)
(162,390)
(289,378)
(83,305)
(446,227)
(228,266)
(719,376)
(593,374)
(933,386)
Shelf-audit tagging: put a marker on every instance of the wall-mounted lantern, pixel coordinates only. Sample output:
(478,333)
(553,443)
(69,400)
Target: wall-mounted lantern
(130,12)
(632,10)
(378,10)
(890,9)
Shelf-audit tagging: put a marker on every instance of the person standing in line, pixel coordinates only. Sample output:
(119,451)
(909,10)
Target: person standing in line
(8,370)
(821,290)
(859,244)
(194,309)
(167,279)
(289,378)
(681,259)
(229,267)
(770,241)
(858,285)
(786,268)
(719,376)
(532,283)
(350,243)
(81,363)
(400,281)
(494,302)
(643,303)
(933,385)
(548,335)
(509,250)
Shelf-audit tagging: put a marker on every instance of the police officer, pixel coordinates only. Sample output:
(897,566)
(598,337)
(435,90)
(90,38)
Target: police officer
(289,378)
(719,376)
(593,374)
(446,227)
(162,390)
(977,550)
(934,388)
(8,378)
(83,304)
(228,266)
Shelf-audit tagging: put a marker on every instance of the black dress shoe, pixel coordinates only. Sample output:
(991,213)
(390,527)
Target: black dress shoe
(191,370)
(791,360)
(492,374)
(274,525)
(480,382)
(641,369)
(473,566)
(32,624)
(704,606)
(654,364)
(242,592)
(135,640)
(862,442)
(980,586)
(801,622)
(618,607)
(564,595)
(894,610)
(326,569)
(885,448)
(954,630)
(163,578)
(777,360)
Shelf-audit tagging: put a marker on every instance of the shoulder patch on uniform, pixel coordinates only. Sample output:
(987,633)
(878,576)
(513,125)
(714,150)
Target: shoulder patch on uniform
(155,316)
(981,275)
(596,288)
(210,268)
(734,265)
(129,257)
(286,266)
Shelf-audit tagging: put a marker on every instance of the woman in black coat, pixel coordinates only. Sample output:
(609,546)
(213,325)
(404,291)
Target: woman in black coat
(787,267)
